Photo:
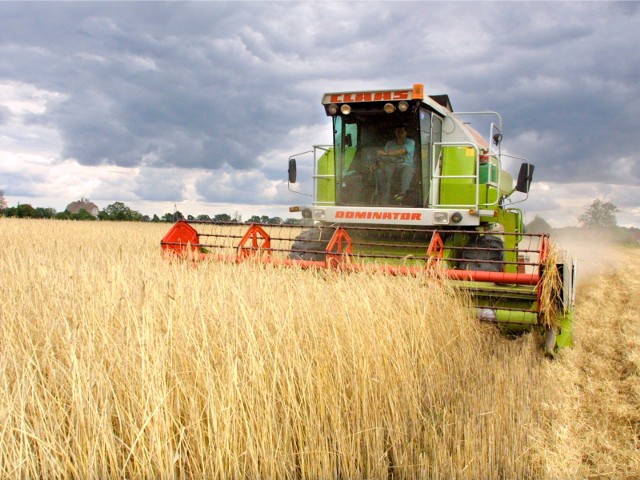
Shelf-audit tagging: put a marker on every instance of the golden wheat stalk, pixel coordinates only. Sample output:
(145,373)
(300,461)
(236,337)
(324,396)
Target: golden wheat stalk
(551,290)
(119,363)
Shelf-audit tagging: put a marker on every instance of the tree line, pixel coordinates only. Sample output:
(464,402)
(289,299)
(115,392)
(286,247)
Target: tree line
(599,215)
(120,212)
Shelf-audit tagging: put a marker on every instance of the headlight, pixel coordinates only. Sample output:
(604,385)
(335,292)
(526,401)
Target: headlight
(441,218)
(456,217)
(318,214)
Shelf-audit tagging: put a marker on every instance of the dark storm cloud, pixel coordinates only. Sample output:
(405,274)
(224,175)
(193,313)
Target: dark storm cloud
(219,85)
(566,73)
(195,93)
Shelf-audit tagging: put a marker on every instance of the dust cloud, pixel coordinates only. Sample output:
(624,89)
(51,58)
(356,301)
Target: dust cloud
(595,252)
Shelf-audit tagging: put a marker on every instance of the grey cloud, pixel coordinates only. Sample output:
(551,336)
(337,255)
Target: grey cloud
(583,90)
(626,8)
(239,187)
(537,201)
(135,97)
(215,85)
(5,114)
(21,185)
(159,185)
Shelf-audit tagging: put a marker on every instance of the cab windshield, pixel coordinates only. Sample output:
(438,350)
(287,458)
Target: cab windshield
(379,159)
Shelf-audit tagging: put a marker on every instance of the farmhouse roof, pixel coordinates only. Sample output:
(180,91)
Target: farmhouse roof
(90,207)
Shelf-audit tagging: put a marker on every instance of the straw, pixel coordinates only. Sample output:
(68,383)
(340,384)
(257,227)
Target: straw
(551,290)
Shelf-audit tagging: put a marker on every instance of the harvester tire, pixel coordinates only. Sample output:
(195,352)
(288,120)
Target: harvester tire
(480,249)
(312,244)
(550,340)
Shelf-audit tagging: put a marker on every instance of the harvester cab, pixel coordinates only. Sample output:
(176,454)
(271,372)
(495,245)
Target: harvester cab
(408,184)
(442,174)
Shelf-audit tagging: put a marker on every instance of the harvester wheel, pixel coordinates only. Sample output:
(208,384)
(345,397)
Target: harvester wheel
(312,244)
(550,340)
(483,253)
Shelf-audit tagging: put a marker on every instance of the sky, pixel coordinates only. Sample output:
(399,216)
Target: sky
(198,106)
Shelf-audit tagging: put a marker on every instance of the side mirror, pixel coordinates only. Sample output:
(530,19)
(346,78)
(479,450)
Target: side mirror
(293,170)
(524,177)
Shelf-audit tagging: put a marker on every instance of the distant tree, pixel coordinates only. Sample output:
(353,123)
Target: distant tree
(118,211)
(204,218)
(45,212)
(155,218)
(599,215)
(172,217)
(190,217)
(293,221)
(9,212)
(25,211)
(264,219)
(222,217)
(3,202)
(538,225)
(82,215)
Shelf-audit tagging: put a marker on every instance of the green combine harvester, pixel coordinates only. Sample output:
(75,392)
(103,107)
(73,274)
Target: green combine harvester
(409,186)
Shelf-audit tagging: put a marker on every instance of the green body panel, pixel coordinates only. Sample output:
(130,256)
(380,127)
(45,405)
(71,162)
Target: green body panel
(511,220)
(326,187)
(487,196)
(524,319)
(493,183)
(458,160)
(504,298)
(488,188)
(488,173)
(565,336)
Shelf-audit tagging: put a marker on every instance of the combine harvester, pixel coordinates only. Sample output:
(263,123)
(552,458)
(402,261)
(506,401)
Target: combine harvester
(407,187)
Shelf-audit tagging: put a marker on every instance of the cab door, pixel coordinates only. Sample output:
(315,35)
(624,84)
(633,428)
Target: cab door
(430,138)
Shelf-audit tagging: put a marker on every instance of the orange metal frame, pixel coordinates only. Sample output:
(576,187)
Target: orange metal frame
(254,235)
(183,240)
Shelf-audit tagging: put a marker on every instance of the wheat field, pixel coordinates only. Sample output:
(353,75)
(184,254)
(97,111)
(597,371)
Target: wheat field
(119,363)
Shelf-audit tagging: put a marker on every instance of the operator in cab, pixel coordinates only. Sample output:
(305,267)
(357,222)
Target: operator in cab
(396,154)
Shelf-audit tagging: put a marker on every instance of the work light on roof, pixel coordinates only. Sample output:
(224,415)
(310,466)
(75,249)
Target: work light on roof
(403,106)
(345,109)
(332,109)
(389,108)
